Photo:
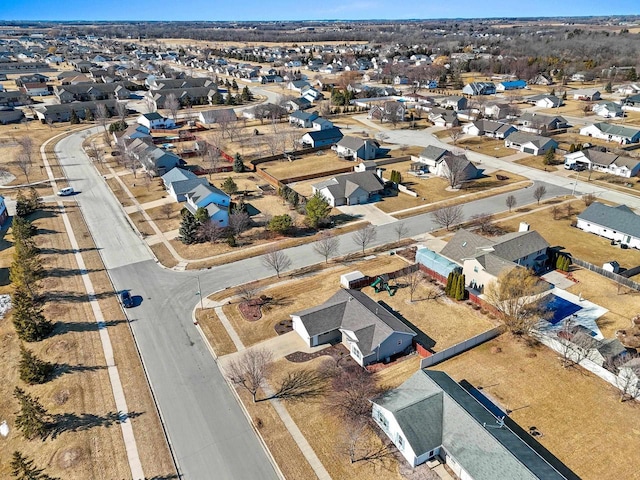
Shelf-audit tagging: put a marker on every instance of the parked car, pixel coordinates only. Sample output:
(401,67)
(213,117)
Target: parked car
(65,192)
(126,299)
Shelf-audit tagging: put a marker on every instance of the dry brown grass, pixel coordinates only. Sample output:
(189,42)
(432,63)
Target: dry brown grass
(575,411)
(313,163)
(215,332)
(326,435)
(583,245)
(141,223)
(119,192)
(75,342)
(445,321)
(487,146)
(160,218)
(143,188)
(294,295)
(537,161)
(163,255)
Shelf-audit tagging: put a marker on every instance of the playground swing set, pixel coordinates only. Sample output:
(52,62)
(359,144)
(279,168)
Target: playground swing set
(382,283)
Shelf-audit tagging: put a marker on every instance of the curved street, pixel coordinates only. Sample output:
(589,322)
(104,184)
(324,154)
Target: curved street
(207,429)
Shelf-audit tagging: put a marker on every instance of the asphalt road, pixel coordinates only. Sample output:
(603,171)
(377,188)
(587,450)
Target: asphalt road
(210,436)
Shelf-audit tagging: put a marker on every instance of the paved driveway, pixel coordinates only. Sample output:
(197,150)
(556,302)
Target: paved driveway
(368,212)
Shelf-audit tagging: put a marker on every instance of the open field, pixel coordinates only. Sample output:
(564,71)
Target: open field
(298,294)
(321,161)
(575,411)
(583,245)
(487,146)
(537,161)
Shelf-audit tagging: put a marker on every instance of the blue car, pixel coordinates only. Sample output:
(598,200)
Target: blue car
(126,300)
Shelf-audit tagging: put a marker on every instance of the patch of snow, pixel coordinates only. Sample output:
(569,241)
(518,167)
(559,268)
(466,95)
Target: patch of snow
(4,429)
(5,304)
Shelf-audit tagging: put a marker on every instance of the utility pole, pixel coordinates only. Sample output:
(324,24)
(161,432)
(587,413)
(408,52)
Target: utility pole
(199,293)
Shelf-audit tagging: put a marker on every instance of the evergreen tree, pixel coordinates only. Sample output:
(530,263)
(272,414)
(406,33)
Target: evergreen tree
(608,87)
(234,85)
(447,287)
(280,224)
(217,98)
(230,100)
(22,468)
(74,118)
(22,229)
(237,99)
(26,267)
(32,418)
(188,232)
(317,209)
(202,216)
(246,95)
(549,157)
(293,198)
(28,319)
(238,165)
(461,292)
(88,115)
(32,369)
(229,186)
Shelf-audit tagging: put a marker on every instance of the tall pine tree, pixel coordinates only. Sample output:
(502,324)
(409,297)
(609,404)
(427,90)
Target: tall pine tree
(32,369)
(31,420)
(22,468)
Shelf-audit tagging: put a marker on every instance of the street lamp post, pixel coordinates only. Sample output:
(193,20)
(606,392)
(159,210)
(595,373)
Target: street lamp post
(575,184)
(199,293)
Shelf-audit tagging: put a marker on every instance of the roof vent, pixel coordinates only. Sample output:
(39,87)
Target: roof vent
(464,244)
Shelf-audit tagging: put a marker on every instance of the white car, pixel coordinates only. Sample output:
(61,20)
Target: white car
(65,192)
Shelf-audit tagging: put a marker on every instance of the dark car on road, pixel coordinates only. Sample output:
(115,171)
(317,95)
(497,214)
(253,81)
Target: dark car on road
(126,300)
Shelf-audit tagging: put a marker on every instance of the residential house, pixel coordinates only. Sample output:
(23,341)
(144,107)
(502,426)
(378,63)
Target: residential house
(303,119)
(14,98)
(544,100)
(619,224)
(608,109)
(443,118)
(212,199)
(155,121)
(537,123)
(297,85)
(321,138)
(489,128)
(497,110)
(479,88)
(511,85)
(210,117)
(156,161)
(530,143)
(350,188)
(10,115)
(391,111)
(131,133)
(430,415)
(4,213)
(62,113)
(606,353)
(297,104)
(370,332)
(455,102)
(632,102)
(607,162)
(620,134)
(429,158)
(32,89)
(541,79)
(586,94)
(354,148)
(321,124)
(185,96)
(483,259)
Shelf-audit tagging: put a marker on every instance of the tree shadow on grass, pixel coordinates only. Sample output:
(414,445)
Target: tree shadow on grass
(71,422)
(163,477)
(65,327)
(75,297)
(61,369)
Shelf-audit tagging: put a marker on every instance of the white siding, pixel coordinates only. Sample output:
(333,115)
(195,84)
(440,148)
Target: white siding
(633,242)
(298,327)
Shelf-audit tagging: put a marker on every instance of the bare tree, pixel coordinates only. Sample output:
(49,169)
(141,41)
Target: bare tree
(401,230)
(327,246)
(588,199)
(248,291)
(555,211)
(172,104)
(121,111)
(364,236)
(167,210)
(455,133)
(23,162)
(150,103)
(447,216)
(514,294)
(627,378)
(510,202)
(210,232)
(575,344)
(26,147)
(250,370)
(102,116)
(362,445)
(352,390)
(539,192)
(413,280)
(455,170)
(277,260)
(239,221)
(94,152)
(484,223)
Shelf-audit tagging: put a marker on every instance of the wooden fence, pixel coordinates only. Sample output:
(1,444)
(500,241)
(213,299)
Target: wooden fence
(367,280)
(613,276)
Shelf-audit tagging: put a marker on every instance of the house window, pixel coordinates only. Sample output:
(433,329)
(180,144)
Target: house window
(382,419)
(400,442)
(475,269)
(400,342)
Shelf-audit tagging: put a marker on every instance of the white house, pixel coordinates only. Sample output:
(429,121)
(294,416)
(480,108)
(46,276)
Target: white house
(370,332)
(489,128)
(155,121)
(608,109)
(544,100)
(607,162)
(620,224)
(530,143)
(354,148)
(430,415)
(586,94)
(612,133)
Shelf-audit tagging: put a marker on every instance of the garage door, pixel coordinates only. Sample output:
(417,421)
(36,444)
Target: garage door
(529,150)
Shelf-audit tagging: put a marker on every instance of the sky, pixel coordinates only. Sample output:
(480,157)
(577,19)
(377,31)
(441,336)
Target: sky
(212,10)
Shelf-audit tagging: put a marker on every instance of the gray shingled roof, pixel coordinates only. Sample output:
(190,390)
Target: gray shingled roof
(619,130)
(493,264)
(433,153)
(330,133)
(354,311)
(525,137)
(467,429)
(513,246)
(352,143)
(465,244)
(619,218)
(177,174)
(341,186)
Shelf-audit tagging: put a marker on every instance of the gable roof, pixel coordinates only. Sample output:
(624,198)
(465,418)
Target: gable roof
(525,137)
(342,186)
(354,311)
(177,174)
(433,153)
(434,410)
(618,130)
(203,190)
(352,143)
(620,218)
(214,116)
(329,133)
